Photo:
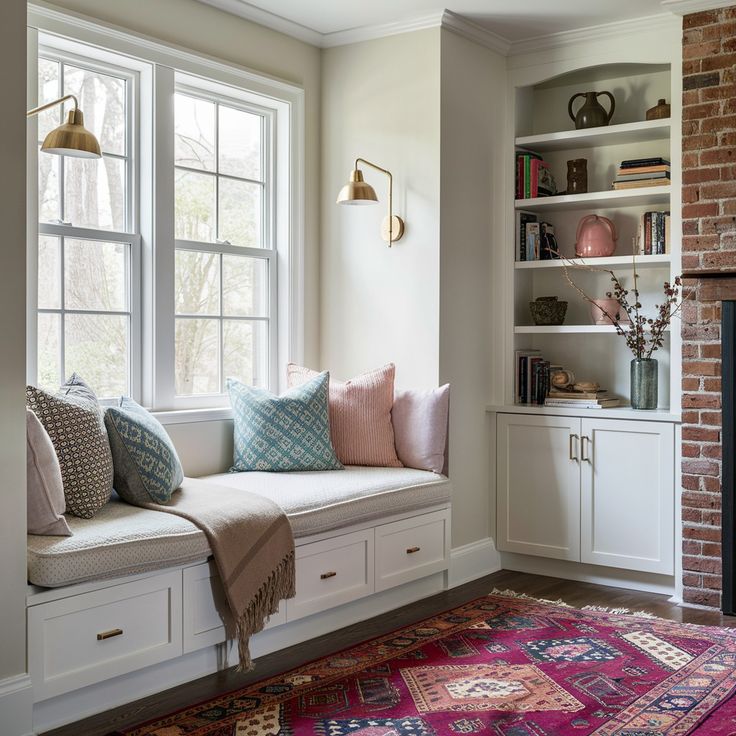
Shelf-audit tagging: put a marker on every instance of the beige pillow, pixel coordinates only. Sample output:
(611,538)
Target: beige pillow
(360,415)
(45,495)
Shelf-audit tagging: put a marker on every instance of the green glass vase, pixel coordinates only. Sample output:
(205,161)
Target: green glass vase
(644,376)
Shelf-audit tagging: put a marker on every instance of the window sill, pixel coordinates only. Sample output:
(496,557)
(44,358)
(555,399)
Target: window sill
(190,416)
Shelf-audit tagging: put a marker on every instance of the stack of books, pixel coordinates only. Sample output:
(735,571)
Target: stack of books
(535,240)
(533,176)
(642,172)
(580,399)
(532,382)
(654,233)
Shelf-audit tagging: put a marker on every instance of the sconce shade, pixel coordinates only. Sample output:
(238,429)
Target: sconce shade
(357,191)
(72,138)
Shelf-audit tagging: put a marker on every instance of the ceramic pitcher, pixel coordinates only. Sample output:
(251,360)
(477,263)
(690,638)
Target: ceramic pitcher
(592,114)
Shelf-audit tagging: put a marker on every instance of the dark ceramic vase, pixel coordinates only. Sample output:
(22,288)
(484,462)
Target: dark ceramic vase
(592,114)
(644,383)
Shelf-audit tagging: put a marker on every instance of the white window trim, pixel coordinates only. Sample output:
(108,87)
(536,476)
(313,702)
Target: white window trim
(287,101)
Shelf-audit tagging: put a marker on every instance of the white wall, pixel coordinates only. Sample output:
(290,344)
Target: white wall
(381,101)
(12,365)
(473,89)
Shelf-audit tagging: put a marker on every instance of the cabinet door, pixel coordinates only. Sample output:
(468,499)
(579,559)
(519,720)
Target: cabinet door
(627,479)
(538,485)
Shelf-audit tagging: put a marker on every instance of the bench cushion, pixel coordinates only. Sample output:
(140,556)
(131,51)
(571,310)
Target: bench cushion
(123,539)
(120,540)
(318,502)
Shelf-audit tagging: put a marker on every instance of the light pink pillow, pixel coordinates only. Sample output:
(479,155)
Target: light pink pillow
(360,415)
(420,427)
(45,492)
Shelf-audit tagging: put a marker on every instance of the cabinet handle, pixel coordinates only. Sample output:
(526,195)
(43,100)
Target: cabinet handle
(109,634)
(412,550)
(326,575)
(570,454)
(584,440)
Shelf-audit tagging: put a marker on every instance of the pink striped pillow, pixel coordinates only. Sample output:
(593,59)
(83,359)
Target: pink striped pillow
(360,415)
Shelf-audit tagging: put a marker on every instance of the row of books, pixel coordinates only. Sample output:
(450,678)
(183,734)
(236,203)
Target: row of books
(532,377)
(533,176)
(642,172)
(654,233)
(535,241)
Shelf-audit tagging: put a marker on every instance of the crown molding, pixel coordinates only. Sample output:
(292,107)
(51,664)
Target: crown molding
(685,7)
(269,20)
(370,33)
(661,21)
(470,30)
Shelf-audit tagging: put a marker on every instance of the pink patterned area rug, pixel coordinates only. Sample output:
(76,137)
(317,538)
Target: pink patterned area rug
(503,665)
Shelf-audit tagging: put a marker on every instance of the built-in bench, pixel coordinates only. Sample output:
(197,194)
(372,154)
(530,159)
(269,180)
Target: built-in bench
(131,604)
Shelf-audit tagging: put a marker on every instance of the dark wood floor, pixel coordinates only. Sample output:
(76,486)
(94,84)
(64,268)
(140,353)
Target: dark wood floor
(576,594)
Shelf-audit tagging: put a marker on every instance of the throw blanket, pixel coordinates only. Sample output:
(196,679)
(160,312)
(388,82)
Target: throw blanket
(251,540)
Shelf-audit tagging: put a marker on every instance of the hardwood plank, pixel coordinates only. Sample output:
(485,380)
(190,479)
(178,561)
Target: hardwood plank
(574,593)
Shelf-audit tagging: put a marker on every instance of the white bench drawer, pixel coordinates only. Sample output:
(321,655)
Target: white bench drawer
(332,572)
(80,640)
(206,610)
(412,548)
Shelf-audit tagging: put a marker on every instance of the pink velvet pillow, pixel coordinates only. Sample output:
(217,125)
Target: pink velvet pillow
(420,427)
(360,415)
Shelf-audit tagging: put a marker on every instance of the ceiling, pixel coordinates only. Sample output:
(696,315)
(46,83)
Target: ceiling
(325,22)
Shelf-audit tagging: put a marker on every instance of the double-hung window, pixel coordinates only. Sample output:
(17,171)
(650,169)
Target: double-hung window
(171,263)
(225,259)
(88,252)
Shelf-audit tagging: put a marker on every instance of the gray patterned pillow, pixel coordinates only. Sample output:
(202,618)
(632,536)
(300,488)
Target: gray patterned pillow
(74,423)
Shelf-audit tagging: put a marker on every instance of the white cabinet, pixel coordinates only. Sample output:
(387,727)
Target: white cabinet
(599,491)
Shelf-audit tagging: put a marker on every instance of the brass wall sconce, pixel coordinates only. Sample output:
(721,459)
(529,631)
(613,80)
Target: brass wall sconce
(357,191)
(71,138)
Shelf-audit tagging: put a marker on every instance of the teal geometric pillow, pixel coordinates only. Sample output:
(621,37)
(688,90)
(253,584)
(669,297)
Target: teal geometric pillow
(282,433)
(145,462)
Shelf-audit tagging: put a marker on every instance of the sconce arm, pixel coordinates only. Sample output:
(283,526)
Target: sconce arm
(390,193)
(60,101)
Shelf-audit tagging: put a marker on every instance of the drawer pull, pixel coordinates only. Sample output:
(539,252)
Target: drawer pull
(326,575)
(412,550)
(109,634)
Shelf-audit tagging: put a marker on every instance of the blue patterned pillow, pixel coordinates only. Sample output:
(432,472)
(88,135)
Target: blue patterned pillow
(145,462)
(289,432)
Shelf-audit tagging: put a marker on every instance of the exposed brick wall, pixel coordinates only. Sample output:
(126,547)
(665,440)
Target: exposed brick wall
(709,241)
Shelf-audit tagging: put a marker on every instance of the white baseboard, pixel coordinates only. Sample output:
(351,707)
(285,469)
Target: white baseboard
(473,561)
(16,706)
(584,573)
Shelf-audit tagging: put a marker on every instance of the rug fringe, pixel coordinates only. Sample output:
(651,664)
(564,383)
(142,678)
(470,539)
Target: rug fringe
(599,609)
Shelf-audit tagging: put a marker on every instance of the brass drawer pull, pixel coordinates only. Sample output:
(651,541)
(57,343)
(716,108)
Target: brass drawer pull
(412,550)
(326,575)
(109,634)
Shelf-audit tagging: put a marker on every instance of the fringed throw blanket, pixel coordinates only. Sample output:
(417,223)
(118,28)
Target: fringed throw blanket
(251,540)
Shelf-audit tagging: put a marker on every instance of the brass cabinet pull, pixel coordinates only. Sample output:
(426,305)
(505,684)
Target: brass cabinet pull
(570,454)
(326,575)
(109,634)
(412,550)
(584,440)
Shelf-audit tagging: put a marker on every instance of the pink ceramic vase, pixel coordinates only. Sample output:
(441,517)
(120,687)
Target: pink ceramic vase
(596,237)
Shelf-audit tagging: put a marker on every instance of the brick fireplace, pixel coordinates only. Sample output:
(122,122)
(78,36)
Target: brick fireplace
(709,259)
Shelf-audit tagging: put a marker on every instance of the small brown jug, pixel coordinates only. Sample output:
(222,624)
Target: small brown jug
(592,114)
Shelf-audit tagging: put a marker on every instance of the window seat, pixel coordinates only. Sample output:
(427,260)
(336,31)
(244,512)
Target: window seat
(123,539)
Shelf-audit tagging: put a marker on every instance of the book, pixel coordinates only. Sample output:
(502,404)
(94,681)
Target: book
(640,183)
(532,241)
(583,404)
(547,242)
(643,177)
(589,395)
(634,162)
(645,169)
(521,374)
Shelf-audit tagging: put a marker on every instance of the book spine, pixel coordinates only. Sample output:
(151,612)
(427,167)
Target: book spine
(527,177)
(647,233)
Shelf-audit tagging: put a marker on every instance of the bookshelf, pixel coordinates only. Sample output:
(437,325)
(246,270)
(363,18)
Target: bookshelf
(538,122)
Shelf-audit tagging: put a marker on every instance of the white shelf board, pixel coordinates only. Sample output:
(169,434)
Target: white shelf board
(607,135)
(567,329)
(618,412)
(658,261)
(645,196)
